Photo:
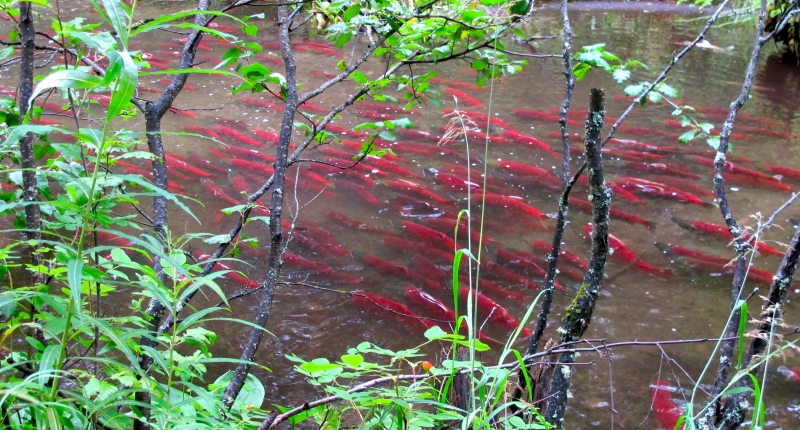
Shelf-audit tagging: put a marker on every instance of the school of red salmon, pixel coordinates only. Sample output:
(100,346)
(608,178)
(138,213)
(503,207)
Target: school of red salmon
(406,204)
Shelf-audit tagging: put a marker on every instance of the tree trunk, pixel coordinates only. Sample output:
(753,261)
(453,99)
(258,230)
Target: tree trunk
(579,314)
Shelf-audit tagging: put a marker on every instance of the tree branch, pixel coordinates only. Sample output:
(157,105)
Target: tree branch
(579,313)
(563,205)
(276,211)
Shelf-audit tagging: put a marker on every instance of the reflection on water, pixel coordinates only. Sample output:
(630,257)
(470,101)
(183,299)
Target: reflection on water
(359,228)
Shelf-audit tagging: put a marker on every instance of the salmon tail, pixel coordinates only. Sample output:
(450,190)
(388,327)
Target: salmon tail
(682,223)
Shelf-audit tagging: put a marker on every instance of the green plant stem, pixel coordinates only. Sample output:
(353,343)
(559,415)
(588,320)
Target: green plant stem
(88,207)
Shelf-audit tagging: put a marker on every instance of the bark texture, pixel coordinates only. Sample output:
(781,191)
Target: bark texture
(33,217)
(561,217)
(579,314)
(276,211)
(153,112)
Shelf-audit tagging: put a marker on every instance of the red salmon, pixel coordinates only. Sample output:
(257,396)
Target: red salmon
(357,190)
(403,185)
(512,202)
(378,107)
(495,312)
(455,182)
(479,116)
(454,83)
(201,130)
(528,170)
(463,97)
(388,308)
(412,246)
(667,411)
(232,274)
(430,236)
(429,271)
(786,172)
(252,166)
(248,154)
(495,271)
(510,258)
(518,137)
(236,136)
(657,189)
(713,263)
(492,289)
(721,231)
(388,166)
(205,164)
(294,260)
(239,183)
(180,165)
(564,255)
(357,225)
(217,192)
(266,135)
(261,103)
(417,134)
(432,307)
(623,253)
(733,168)
(392,270)
(661,169)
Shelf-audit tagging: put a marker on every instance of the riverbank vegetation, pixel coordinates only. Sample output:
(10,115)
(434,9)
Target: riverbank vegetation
(75,355)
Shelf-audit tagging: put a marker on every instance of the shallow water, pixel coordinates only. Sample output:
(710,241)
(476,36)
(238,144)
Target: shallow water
(635,306)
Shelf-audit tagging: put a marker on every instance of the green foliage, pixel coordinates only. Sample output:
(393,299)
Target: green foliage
(405,402)
(596,56)
(82,367)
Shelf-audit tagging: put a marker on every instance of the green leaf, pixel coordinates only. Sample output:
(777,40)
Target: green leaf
(353,360)
(634,90)
(138,180)
(351,12)
(319,365)
(435,333)
(343,39)
(252,394)
(65,79)
(580,71)
(403,122)
(655,97)
(118,19)
(47,363)
(125,86)
(621,75)
(688,136)
(6,52)
(469,15)
(667,90)
(521,7)
(366,126)
(159,22)
(250,30)
(736,390)
(18,132)
(742,328)
(359,77)
(479,64)
(74,278)
(220,238)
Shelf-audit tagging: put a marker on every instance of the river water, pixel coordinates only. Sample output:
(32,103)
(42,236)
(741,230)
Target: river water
(635,305)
